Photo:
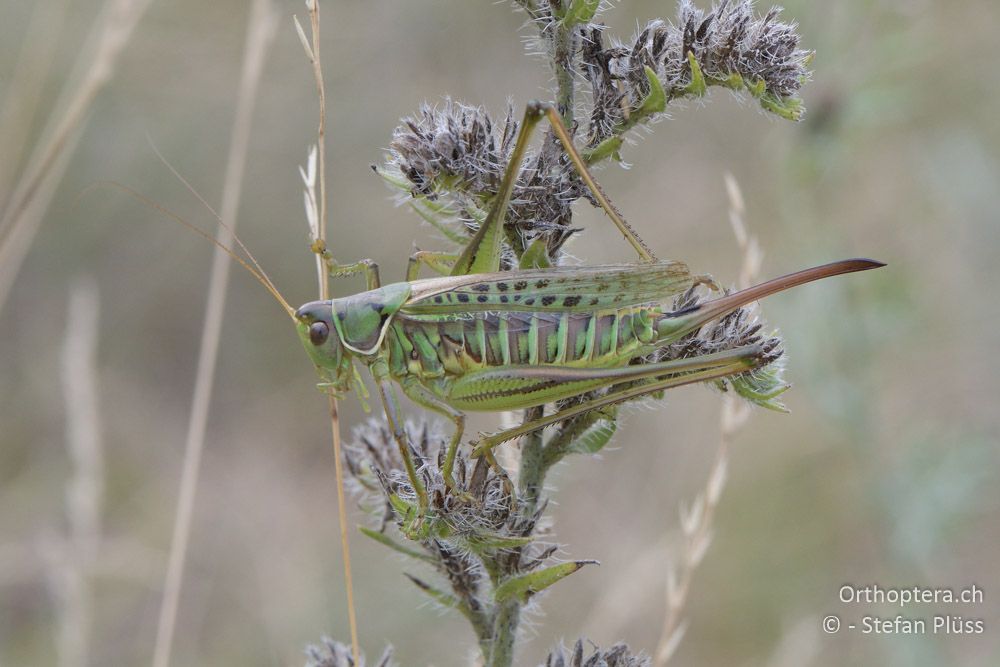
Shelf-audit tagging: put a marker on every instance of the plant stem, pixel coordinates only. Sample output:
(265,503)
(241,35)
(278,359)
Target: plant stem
(505,624)
(507,614)
(324,293)
(562,47)
(533,467)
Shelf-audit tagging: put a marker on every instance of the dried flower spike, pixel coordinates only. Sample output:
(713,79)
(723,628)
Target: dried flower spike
(619,655)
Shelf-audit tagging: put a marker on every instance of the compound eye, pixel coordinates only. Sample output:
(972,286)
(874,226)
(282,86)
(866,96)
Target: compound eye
(318,333)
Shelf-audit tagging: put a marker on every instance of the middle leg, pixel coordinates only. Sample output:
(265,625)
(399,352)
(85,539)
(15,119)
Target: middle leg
(424,397)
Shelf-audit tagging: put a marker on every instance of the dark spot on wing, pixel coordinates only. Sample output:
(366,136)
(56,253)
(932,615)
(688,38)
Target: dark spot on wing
(548,300)
(529,301)
(517,297)
(521,284)
(482,298)
(438,299)
(594,301)
(504,298)
(571,301)
(503,287)
(542,283)
(481,287)
(464,298)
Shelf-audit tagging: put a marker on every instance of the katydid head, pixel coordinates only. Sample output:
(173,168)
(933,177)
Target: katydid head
(335,332)
(315,326)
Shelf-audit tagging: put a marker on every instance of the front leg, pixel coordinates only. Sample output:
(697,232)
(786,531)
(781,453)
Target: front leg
(426,398)
(439,262)
(392,417)
(337,270)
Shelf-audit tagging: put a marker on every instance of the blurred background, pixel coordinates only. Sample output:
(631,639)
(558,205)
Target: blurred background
(886,470)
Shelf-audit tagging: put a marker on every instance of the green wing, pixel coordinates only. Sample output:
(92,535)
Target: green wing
(561,289)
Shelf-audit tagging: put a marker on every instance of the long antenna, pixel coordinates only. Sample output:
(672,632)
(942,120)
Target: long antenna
(255,270)
(197,195)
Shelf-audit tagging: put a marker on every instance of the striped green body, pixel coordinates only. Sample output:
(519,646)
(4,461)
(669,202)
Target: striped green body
(506,341)
(478,342)
(438,350)
(466,343)
(433,347)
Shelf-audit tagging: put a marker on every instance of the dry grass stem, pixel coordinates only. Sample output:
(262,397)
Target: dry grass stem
(696,522)
(261,28)
(71,563)
(316,209)
(70,560)
(24,209)
(26,85)
(315,200)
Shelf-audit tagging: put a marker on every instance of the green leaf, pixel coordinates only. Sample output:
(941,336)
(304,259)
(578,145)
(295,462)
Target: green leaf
(435,213)
(444,599)
(606,148)
(756,88)
(595,437)
(789,108)
(382,538)
(393,178)
(526,585)
(581,11)
(733,82)
(402,508)
(414,524)
(536,256)
(762,387)
(697,87)
(424,210)
(493,541)
(656,100)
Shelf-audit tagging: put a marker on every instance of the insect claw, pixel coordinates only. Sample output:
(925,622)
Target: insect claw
(318,246)
(708,281)
(453,489)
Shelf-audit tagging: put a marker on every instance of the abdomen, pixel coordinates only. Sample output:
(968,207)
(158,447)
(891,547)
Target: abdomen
(430,346)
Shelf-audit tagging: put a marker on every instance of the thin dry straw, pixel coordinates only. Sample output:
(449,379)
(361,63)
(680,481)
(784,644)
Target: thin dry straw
(316,213)
(261,27)
(26,85)
(77,555)
(71,563)
(24,209)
